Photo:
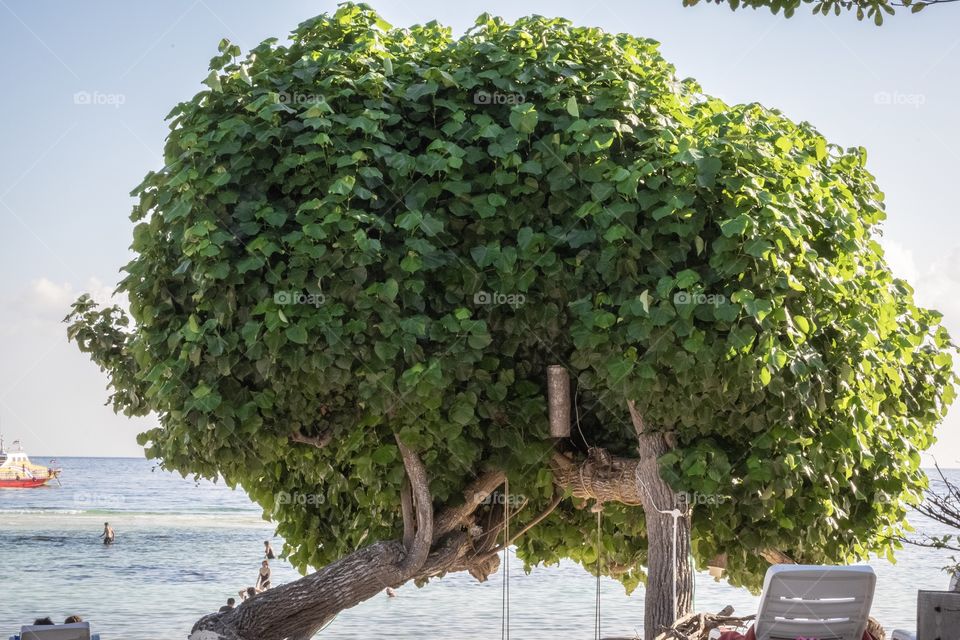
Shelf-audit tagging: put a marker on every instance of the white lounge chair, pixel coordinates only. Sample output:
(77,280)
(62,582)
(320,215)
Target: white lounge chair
(813,601)
(72,631)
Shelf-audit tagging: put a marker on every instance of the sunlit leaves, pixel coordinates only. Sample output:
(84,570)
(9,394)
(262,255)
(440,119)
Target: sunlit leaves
(873,10)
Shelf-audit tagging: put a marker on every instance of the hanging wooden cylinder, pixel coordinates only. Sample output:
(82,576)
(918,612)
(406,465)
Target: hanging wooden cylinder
(558,400)
(717,565)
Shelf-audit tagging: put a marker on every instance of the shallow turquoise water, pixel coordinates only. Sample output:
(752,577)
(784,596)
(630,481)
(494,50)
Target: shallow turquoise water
(183,548)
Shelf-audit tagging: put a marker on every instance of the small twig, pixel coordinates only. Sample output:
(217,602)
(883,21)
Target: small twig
(530,525)
(319,441)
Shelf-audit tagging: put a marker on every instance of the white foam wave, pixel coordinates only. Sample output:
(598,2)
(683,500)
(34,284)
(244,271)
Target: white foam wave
(59,512)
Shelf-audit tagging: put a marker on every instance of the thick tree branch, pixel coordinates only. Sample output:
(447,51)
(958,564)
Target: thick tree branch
(607,478)
(419,549)
(636,418)
(474,495)
(776,557)
(601,477)
(409,518)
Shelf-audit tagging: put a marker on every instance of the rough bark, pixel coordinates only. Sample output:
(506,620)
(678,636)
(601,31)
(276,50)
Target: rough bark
(291,610)
(432,545)
(417,549)
(558,401)
(664,572)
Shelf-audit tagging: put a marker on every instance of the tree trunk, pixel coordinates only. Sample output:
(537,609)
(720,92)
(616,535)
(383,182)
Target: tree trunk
(658,611)
(669,588)
(293,609)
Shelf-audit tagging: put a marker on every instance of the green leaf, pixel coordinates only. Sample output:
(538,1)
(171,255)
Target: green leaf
(409,220)
(572,107)
(734,226)
(296,333)
(390,289)
(416,91)
(765,376)
(343,186)
(431,225)
(213,81)
(707,170)
(524,118)
(462,413)
(180,210)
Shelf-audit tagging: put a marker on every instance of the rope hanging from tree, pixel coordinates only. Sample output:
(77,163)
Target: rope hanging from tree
(596,622)
(505,604)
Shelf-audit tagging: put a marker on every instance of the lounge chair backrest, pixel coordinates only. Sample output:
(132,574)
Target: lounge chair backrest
(72,631)
(813,601)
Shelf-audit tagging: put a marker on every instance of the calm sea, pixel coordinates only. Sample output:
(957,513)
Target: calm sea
(183,548)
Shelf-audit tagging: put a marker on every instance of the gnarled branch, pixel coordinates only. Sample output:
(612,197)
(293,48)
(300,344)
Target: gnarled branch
(419,548)
(409,518)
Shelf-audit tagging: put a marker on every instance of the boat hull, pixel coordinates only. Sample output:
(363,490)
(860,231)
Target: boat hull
(24,483)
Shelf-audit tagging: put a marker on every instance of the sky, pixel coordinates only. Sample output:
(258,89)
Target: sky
(85,87)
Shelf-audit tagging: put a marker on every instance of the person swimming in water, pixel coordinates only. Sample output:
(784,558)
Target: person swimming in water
(263,577)
(108,534)
(268,550)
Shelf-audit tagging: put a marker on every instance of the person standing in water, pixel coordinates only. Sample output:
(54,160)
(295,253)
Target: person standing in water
(268,550)
(108,535)
(263,578)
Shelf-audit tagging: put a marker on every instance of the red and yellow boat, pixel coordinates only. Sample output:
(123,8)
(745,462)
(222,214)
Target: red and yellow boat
(16,470)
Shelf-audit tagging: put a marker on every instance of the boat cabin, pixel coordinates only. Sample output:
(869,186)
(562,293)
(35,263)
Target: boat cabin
(14,458)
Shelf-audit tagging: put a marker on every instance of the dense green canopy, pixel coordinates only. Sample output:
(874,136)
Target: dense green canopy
(369,230)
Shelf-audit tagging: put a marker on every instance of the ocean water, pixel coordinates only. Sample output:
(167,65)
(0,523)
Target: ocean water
(183,548)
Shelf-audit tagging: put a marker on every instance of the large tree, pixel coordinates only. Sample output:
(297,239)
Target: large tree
(368,245)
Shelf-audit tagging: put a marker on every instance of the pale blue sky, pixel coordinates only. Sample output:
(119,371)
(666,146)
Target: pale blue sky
(66,168)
